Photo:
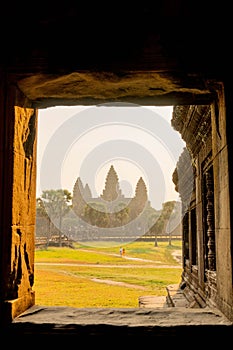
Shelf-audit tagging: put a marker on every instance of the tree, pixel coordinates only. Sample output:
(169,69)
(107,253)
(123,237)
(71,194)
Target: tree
(150,216)
(173,219)
(168,208)
(56,203)
(162,223)
(43,222)
(156,229)
(121,215)
(96,214)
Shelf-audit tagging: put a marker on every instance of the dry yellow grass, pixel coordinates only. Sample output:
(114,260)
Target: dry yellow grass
(95,284)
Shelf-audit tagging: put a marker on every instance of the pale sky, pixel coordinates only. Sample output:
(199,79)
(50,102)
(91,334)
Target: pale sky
(84,142)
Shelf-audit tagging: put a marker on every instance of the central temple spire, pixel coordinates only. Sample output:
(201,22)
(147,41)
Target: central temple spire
(112,189)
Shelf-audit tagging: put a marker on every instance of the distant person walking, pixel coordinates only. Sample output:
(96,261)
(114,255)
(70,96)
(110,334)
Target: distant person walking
(121,251)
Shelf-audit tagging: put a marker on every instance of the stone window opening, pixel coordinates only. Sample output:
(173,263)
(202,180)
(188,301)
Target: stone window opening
(55,125)
(13,307)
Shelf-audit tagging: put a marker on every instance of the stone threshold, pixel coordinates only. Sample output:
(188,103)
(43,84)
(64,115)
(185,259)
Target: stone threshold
(135,322)
(166,316)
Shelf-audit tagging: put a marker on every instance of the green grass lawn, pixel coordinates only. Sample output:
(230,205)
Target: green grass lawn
(100,277)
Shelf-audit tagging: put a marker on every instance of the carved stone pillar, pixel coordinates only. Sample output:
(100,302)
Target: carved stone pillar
(17,210)
(210,220)
(185,237)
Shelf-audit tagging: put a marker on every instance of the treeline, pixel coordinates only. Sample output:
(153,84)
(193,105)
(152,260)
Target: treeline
(56,216)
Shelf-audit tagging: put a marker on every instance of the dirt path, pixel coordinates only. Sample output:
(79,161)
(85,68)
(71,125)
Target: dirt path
(117,283)
(106,266)
(125,256)
(176,255)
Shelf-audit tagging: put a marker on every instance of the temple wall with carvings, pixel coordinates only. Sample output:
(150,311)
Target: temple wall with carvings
(202,179)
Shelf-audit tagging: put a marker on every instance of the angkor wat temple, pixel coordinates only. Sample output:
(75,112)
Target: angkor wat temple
(125,216)
(112,203)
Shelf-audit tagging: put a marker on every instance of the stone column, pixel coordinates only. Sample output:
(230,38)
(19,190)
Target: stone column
(222,112)
(18,196)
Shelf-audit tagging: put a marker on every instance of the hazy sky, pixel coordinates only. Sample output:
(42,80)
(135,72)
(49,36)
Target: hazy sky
(84,142)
